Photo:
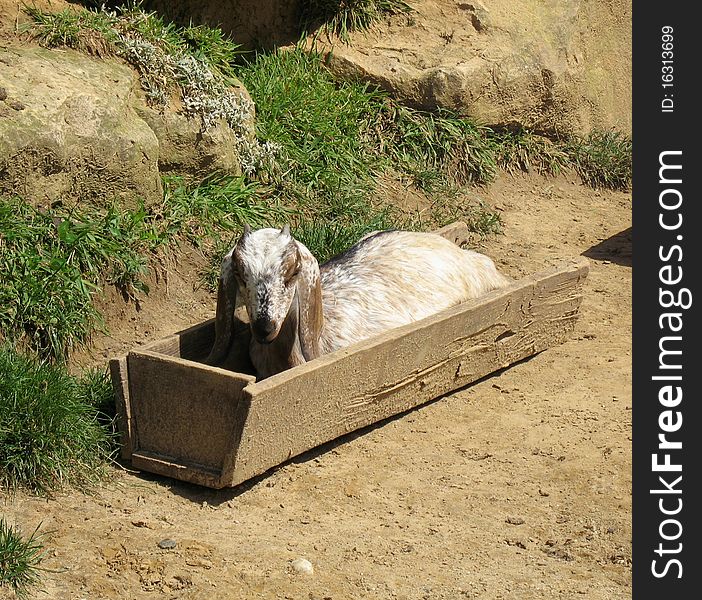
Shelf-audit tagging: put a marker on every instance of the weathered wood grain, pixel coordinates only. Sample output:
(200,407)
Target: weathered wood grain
(185,414)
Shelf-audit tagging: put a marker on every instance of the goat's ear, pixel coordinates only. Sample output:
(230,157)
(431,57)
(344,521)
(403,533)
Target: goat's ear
(247,230)
(309,302)
(285,230)
(224,319)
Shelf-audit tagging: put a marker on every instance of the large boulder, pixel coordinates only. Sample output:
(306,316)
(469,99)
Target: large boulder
(555,65)
(75,127)
(68,129)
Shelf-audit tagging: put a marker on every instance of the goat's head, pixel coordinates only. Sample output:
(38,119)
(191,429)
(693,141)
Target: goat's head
(277,279)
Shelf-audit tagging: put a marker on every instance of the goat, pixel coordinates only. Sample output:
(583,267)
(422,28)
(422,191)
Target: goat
(299,310)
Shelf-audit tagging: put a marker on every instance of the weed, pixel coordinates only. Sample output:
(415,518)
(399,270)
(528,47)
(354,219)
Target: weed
(440,142)
(602,159)
(86,30)
(52,263)
(19,559)
(341,17)
(521,150)
(326,239)
(201,211)
(49,430)
(325,164)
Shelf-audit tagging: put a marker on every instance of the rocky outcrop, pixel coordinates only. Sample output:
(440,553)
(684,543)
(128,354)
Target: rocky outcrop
(68,129)
(554,65)
(534,64)
(74,127)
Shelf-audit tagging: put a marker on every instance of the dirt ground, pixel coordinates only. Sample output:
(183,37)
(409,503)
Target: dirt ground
(518,486)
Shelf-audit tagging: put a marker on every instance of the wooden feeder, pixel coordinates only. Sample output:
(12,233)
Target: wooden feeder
(218,427)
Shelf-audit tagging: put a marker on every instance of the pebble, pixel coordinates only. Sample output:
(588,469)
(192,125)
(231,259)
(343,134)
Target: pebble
(167,544)
(302,566)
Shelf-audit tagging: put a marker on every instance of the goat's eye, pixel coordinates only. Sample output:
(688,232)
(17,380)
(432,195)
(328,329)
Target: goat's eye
(291,275)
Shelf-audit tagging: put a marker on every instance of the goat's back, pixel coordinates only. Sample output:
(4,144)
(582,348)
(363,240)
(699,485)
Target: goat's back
(393,278)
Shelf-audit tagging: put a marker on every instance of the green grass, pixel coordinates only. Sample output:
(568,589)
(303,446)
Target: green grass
(52,264)
(51,434)
(326,165)
(329,238)
(521,150)
(341,17)
(336,138)
(20,558)
(441,144)
(90,31)
(602,159)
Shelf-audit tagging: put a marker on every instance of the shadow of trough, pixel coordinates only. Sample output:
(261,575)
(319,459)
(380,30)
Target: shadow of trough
(616,249)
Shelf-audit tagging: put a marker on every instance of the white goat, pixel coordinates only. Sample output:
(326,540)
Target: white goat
(298,310)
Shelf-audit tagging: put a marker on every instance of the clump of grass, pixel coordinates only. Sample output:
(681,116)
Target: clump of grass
(218,204)
(89,31)
(325,164)
(427,143)
(517,149)
(341,17)
(326,239)
(602,159)
(20,558)
(52,263)
(50,435)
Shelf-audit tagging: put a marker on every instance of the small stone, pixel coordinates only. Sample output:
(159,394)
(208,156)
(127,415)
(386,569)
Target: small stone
(3,93)
(302,566)
(514,520)
(167,544)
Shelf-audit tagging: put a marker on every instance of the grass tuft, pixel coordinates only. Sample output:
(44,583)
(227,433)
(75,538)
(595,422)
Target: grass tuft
(520,150)
(52,264)
(19,559)
(326,239)
(325,165)
(602,159)
(441,142)
(341,17)
(50,432)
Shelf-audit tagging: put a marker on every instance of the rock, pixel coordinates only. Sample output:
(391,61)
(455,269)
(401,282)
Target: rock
(167,544)
(188,148)
(538,67)
(75,128)
(302,566)
(78,136)
(555,65)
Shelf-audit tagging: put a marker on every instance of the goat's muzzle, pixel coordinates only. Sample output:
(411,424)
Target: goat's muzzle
(264,331)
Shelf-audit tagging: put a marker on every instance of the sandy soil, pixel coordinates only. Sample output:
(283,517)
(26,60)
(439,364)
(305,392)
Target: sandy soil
(517,487)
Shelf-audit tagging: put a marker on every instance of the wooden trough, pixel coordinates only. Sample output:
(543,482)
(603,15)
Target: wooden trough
(218,428)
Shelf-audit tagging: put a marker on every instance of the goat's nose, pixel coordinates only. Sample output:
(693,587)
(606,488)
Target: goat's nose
(263,330)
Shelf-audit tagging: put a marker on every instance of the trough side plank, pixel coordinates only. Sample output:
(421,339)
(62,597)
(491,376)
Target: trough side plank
(304,407)
(120,385)
(184,414)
